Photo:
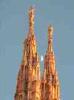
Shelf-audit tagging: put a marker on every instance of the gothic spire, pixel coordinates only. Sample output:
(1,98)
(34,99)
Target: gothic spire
(50,82)
(28,81)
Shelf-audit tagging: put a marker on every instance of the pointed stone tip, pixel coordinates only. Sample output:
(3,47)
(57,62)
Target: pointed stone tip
(32,9)
(50,38)
(50,28)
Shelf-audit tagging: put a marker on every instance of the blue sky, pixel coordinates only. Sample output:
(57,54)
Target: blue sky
(13,30)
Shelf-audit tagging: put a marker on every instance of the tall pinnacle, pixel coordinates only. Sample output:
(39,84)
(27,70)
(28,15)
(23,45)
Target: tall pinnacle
(50,82)
(31,20)
(50,38)
(50,51)
(28,81)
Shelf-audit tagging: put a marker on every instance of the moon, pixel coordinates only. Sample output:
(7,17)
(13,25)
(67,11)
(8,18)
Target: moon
(41,58)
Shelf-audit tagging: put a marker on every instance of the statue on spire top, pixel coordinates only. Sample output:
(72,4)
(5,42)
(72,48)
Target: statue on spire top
(31,20)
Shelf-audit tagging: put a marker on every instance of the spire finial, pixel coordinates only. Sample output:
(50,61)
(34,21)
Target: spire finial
(50,38)
(31,19)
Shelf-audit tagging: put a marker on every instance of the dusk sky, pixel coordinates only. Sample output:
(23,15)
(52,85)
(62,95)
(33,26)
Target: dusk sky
(14,29)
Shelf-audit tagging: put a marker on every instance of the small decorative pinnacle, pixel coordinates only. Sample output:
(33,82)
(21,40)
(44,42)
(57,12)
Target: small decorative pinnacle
(50,31)
(31,20)
(50,38)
